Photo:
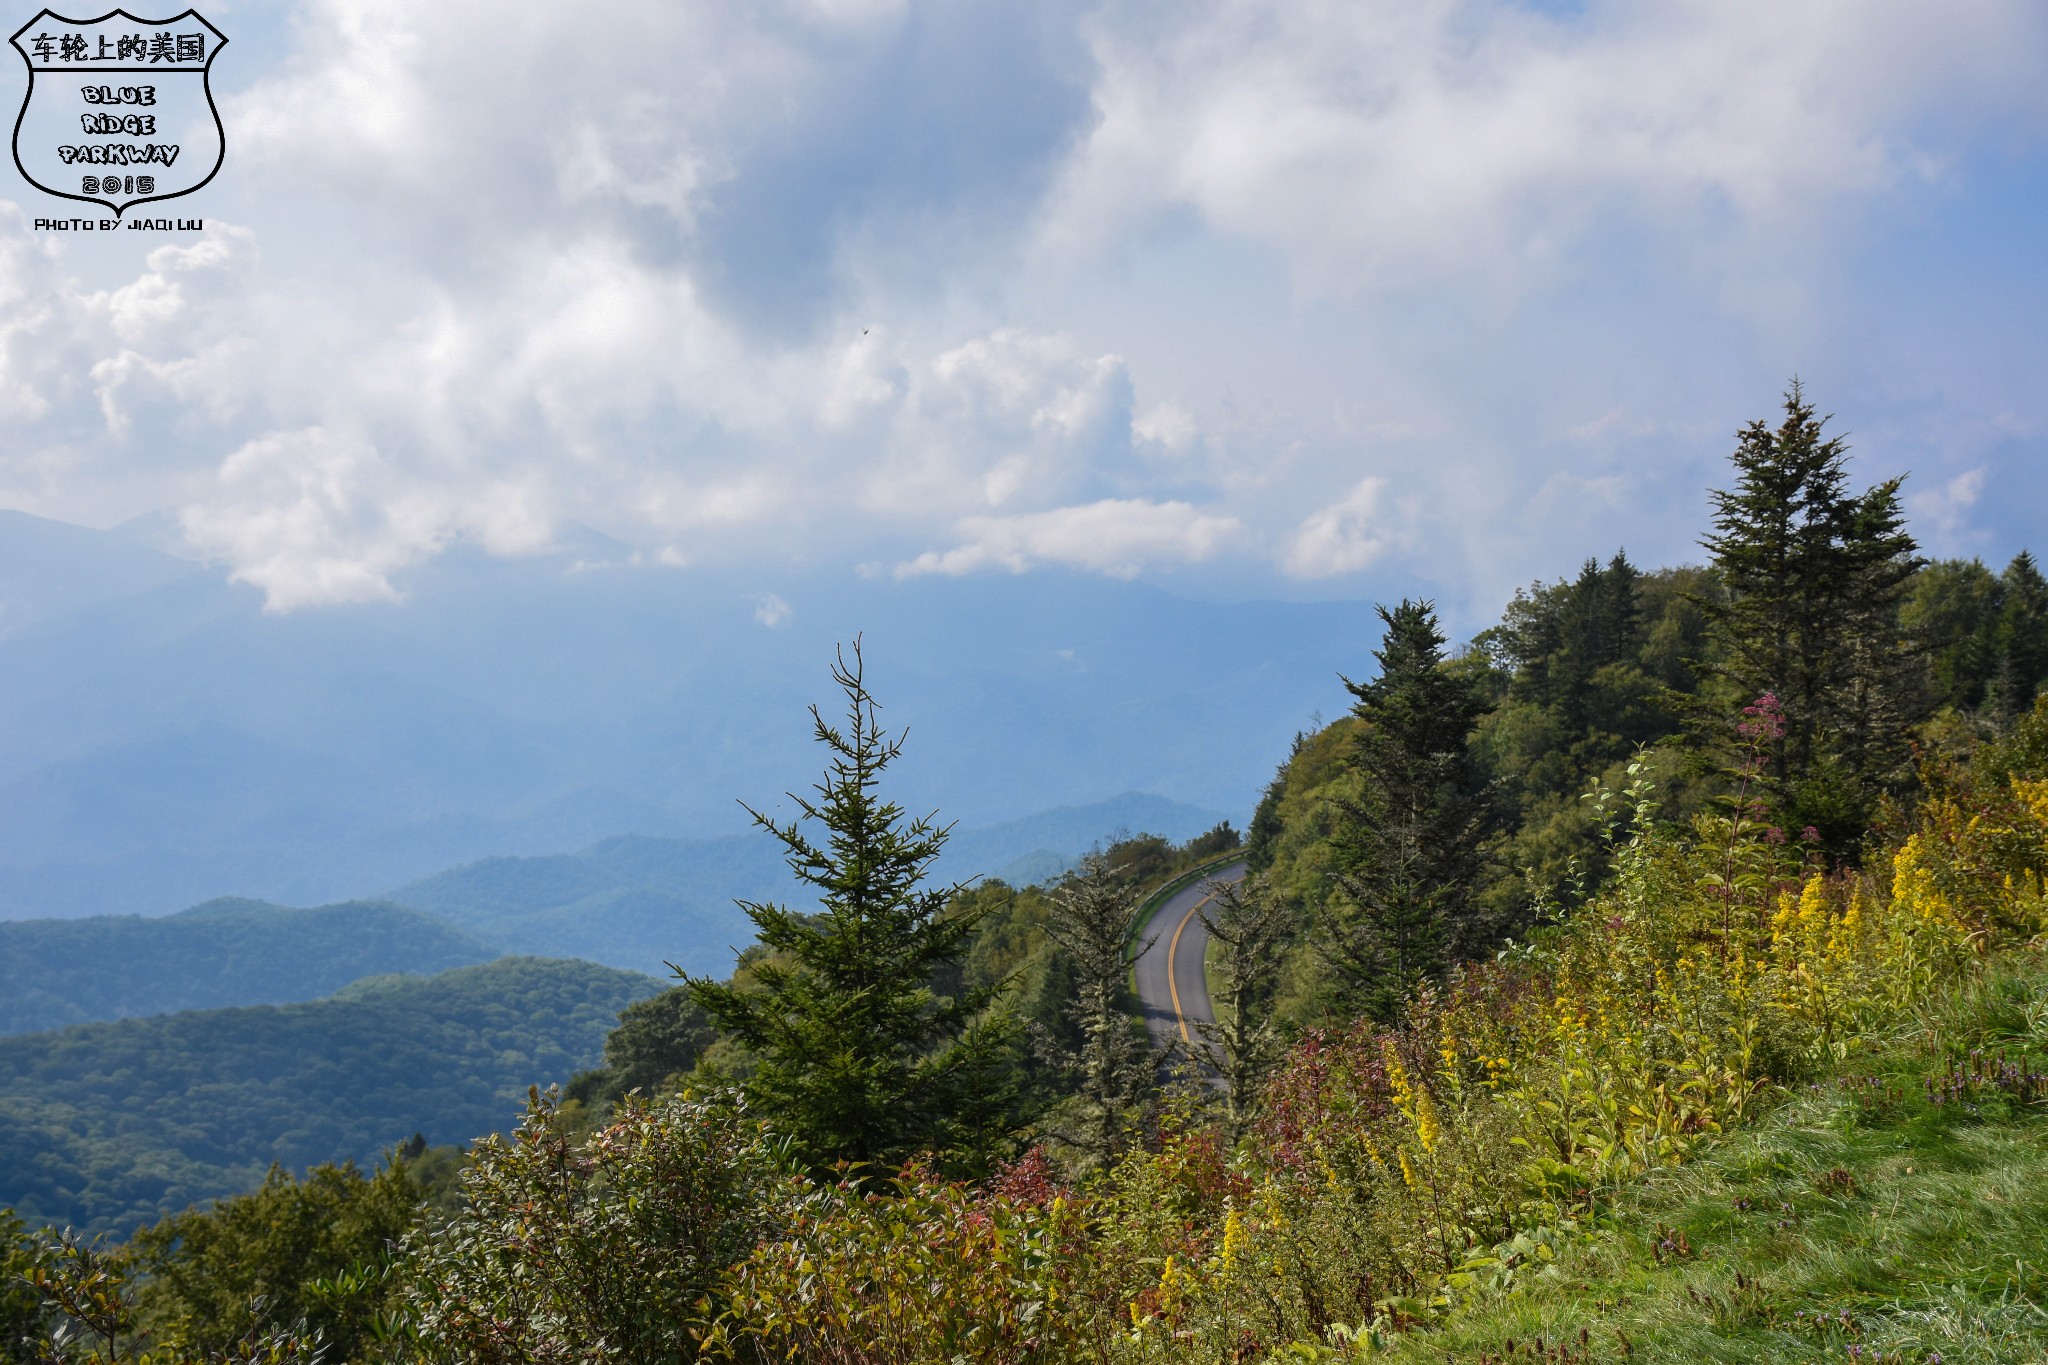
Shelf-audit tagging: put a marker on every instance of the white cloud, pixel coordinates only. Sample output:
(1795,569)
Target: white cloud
(320,516)
(1010,419)
(1168,426)
(771,611)
(1345,538)
(1942,516)
(1463,141)
(1122,290)
(31,304)
(1120,537)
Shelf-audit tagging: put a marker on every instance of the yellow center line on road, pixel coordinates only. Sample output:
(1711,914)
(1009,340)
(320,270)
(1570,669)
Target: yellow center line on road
(1173,977)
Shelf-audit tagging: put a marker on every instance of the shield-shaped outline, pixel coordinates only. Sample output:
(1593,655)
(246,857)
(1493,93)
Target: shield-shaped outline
(205,74)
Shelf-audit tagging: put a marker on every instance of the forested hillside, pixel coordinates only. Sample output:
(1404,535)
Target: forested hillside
(222,953)
(1582,673)
(109,1125)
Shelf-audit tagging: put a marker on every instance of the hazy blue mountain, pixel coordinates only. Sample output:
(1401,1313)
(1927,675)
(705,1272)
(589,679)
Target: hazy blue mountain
(225,952)
(49,569)
(638,902)
(106,1126)
(1043,845)
(169,740)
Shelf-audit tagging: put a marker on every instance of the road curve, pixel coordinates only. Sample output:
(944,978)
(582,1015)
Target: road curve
(1173,990)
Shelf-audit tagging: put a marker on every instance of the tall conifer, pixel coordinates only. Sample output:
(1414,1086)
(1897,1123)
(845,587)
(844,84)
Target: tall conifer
(1403,904)
(2021,638)
(1813,576)
(1114,1069)
(856,1057)
(1244,1044)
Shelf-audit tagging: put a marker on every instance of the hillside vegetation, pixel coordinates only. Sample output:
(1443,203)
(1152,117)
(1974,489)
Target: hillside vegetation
(1899,1208)
(1663,976)
(1580,675)
(220,954)
(111,1125)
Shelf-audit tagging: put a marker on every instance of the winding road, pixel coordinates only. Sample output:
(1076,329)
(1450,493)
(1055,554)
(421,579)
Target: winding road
(1173,990)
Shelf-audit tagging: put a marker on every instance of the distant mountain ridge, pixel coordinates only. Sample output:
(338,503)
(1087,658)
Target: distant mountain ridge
(631,901)
(223,953)
(106,1126)
(169,740)
(639,902)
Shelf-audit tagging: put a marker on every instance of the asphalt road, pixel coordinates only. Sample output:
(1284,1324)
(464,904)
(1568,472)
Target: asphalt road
(1173,990)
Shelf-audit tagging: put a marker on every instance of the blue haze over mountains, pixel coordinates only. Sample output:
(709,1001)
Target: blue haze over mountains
(170,742)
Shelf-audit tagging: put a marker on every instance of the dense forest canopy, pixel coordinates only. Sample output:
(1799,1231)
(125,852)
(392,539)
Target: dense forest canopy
(222,953)
(111,1125)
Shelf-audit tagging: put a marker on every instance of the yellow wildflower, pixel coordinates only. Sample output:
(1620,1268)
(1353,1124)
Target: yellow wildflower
(1233,1238)
(1426,1126)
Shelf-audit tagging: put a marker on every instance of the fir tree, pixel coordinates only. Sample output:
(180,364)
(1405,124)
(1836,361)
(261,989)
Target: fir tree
(1814,577)
(2021,639)
(1403,904)
(1245,1042)
(1114,1069)
(856,1058)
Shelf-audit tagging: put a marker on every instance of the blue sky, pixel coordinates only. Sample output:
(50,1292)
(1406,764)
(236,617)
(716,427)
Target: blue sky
(1303,300)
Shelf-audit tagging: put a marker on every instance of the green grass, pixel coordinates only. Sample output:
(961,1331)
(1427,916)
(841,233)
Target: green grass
(1856,1221)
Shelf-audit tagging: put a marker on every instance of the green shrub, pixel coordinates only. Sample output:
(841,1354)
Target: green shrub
(609,1248)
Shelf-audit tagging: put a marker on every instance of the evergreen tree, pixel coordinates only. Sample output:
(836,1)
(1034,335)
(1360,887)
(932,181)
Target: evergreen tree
(856,1057)
(1952,611)
(1245,1042)
(1594,626)
(1403,904)
(1814,577)
(1983,636)
(1868,694)
(1114,1069)
(2021,639)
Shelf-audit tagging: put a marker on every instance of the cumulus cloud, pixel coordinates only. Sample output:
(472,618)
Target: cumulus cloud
(320,516)
(1004,420)
(1120,537)
(1344,538)
(1120,288)
(1375,143)
(1169,426)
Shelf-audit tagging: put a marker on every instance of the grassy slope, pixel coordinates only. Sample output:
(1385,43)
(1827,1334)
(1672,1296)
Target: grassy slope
(1856,1214)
